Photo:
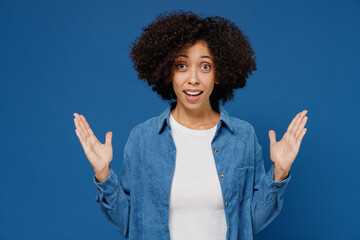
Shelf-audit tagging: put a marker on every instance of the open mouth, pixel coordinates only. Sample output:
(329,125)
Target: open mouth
(193,93)
(193,96)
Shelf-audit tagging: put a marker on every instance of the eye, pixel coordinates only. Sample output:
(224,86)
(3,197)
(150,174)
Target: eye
(180,66)
(206,67)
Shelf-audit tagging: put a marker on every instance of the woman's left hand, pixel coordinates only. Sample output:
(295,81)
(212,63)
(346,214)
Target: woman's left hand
(284,152)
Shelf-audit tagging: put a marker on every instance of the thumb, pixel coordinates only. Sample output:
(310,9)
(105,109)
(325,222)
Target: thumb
(272,136)
(108,138)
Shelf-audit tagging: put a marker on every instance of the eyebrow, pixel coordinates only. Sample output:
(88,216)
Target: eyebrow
(185,56)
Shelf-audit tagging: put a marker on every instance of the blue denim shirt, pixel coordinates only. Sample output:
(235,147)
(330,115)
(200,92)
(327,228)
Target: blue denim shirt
(138,205)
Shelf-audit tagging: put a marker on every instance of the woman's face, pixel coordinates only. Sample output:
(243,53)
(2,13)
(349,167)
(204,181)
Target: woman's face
(194,77)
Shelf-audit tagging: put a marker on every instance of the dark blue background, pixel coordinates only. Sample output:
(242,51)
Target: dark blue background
(61,57)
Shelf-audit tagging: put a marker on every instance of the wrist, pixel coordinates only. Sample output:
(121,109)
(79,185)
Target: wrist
(102,175)
(280,174)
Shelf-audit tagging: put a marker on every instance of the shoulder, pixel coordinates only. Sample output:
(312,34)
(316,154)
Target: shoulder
(141,134)
(148,128)
(145,127)
(241,127)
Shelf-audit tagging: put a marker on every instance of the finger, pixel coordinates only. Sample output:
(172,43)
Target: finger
(83,126)
(272,136)
(293,122)
(301,126)
(87,126)
(77,116)
(297,122)
(108,138)
(300,137)
(78,127)
(82,140)
(91,137)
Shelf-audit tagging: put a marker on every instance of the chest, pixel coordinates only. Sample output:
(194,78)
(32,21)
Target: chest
(225,157)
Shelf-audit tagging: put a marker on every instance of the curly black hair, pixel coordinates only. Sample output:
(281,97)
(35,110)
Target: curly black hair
(154,52)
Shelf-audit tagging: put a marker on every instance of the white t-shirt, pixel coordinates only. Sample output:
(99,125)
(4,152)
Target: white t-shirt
(196,203)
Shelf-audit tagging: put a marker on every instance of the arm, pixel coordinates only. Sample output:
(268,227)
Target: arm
(113,197)
(267,198)
(269,188)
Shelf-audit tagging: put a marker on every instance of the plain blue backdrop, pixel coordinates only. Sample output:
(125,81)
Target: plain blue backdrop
(61,57)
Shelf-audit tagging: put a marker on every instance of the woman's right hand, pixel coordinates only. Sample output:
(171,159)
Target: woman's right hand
(99,155)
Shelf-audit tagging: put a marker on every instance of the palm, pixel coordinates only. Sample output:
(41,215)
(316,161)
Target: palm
(284,152)
(99,155)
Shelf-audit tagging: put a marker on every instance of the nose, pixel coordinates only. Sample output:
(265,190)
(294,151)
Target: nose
(193,77)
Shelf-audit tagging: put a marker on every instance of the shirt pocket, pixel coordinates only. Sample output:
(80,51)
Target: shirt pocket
(244,177)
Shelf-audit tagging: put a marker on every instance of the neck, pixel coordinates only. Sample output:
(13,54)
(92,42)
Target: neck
(200,119)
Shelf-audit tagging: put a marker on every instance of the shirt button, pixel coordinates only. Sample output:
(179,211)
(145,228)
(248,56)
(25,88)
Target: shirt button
(226,203)
(221,175)
(275,187)
(215,150)
(99,190)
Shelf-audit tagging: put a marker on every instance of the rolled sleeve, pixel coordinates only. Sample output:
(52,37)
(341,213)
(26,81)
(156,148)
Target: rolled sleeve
(113,196)
(267,198)
(276,187)
(106,189)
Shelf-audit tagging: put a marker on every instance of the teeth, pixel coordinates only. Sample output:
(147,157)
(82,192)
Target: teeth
(193,93)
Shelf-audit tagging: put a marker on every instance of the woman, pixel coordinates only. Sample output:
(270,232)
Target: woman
(193,172)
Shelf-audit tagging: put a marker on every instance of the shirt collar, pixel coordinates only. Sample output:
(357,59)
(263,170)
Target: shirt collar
(163,118)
